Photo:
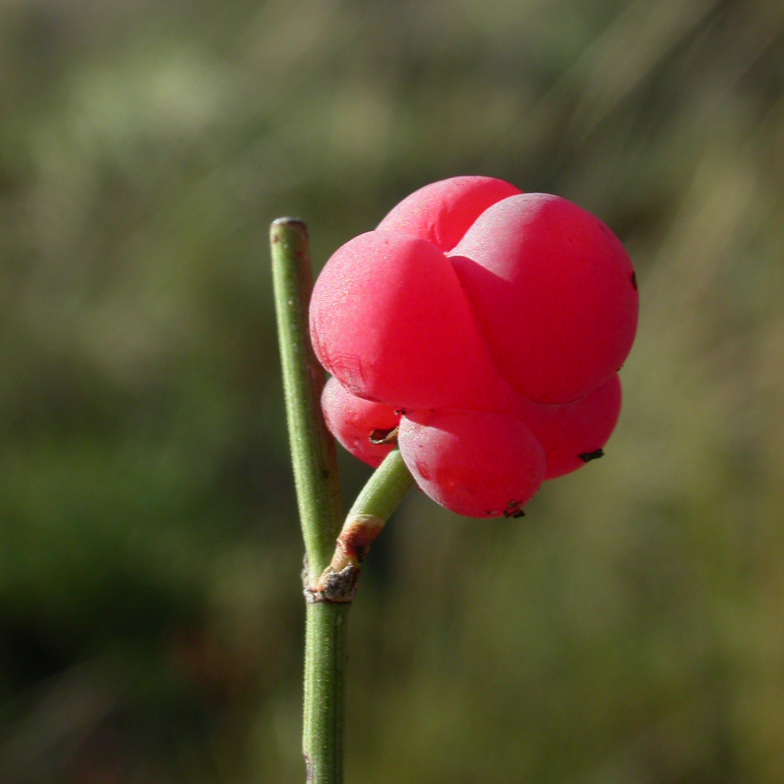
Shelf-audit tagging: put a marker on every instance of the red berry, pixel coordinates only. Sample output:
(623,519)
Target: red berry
(502,355)
(359,425)
(571,432)
(553,290)
(389,318)
(443,211)
(474,463)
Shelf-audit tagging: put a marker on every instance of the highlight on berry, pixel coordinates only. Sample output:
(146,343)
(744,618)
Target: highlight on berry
(478,329)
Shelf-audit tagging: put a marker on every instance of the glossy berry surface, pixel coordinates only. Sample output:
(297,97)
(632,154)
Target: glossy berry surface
(475,463)
(362,427)
(495,322)
(390,319)
(444,211)
(554,292)
(569,430)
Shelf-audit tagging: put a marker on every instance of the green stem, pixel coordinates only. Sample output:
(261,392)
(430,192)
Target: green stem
(323,730)
(320,509)
(312,446)
(318,496)
(328,616)
(379,498)
(385,489)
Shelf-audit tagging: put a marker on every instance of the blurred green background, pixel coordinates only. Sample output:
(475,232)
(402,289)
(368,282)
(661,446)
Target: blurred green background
(630,629)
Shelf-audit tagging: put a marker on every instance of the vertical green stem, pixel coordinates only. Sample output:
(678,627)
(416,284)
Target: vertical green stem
(325,656)
(312,446)
(318,496)
(320,508)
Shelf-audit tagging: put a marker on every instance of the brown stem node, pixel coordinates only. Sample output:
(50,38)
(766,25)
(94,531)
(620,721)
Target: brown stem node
(338,582)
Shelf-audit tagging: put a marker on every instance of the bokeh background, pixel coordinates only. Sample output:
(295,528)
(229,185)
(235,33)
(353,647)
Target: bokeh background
(629,630)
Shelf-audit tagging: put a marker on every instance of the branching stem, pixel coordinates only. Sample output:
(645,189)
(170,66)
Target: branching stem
(318,496)
(333,553)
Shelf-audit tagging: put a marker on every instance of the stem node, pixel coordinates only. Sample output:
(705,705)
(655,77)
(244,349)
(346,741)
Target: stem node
(334,587)
(328,591)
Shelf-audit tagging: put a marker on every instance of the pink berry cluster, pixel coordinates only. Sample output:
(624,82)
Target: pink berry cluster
(480,329)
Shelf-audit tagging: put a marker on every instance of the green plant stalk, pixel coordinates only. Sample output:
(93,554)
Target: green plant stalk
(323,731)
(382,494)
(316,478)
(385,489)
(313,452)
(327,622)
(318,496)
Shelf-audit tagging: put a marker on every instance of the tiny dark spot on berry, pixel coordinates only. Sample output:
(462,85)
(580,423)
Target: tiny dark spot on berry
(514,509)
(634,280)
(586,457)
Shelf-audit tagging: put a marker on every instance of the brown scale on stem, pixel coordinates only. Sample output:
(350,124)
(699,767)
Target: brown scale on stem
(338,582)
